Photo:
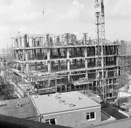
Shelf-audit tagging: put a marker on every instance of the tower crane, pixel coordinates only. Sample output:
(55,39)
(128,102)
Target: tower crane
(100,33)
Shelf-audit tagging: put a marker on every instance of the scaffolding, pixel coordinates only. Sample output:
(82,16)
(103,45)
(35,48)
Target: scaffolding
(124,63)
(65,63)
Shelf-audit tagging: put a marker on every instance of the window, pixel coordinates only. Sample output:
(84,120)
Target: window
(90,116)
(51,121)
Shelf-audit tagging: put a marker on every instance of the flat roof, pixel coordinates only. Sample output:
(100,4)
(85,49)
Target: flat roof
(64,102)
(11,108)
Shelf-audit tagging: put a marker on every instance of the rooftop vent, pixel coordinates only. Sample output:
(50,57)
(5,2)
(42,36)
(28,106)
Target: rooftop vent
(72,105)
(61,101)
(57,97)
(80,98)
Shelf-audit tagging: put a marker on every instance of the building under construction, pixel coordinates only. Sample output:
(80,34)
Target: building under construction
(58,63)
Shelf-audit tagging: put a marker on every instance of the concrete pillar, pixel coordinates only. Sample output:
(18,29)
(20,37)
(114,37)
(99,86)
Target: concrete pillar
(48,59)
(69,76)
(41,56)
(85,38)
(16,52)
(26,55)
(68,63)
(86,75)
(85,51)
(49,81)
(59,52)
(43,53)
(59,65)
(26,59)
(117,64)
(86,62)
(74,52)
(81,52)
(35,54)
(35,65)
(19,41)
(68,60)
(25,40)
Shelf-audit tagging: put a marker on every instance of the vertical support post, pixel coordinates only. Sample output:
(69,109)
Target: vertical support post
(16,52)
(26,59)
(85,38)
(56,85)
(86,62)
(117,64)
(59,65)
(68,63)
(48,60)
(35,50)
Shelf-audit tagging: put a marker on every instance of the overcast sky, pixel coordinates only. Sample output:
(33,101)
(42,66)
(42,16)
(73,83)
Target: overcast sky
(60,16)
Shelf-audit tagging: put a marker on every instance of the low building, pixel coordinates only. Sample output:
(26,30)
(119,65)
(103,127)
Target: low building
(68,109)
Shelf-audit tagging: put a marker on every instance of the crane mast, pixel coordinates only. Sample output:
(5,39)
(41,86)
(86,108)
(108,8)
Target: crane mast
(100,40)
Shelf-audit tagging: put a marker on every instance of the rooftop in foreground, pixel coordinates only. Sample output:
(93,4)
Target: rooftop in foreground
(69,101)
